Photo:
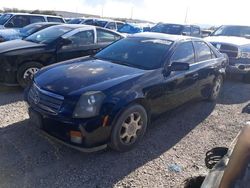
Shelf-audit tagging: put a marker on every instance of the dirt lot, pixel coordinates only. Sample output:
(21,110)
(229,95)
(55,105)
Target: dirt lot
(27,159)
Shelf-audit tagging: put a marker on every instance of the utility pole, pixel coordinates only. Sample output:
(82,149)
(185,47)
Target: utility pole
(185,21)
(132,12)
(102,10)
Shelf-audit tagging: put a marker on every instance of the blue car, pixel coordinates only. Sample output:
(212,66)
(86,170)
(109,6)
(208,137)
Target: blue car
(131,28)
(12,34)
(110,98)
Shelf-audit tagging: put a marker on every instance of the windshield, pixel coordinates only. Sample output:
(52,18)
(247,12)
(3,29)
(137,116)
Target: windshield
(30,29)
(168,28)
(237,31)
(48,35)
(137,52)
(101,23)
(4,18)
(76,21)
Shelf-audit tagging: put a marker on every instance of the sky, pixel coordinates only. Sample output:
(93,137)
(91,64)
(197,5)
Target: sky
(214,12)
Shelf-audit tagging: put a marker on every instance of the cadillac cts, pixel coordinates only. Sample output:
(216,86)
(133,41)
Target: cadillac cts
(109,99)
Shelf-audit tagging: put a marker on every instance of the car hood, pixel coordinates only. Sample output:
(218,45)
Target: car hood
(9,34)
(77,76)
(237,41)
(13,45)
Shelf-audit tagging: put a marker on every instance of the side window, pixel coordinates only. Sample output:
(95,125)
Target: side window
(18,21)
(106,36)
(54,19)
(111,26)
(80,39)
(203,51)
(89,22)
(184,53)
(187,30)
(196,31)
(119,25)
(34,19)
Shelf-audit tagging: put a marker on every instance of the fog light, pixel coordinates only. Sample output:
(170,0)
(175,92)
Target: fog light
(76,137)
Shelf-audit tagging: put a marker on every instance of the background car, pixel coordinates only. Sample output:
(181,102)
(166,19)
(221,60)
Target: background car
(12,34)
(132,28)
(110,98)
(21,59)
(76,21)
(105,23)
(19,20)
(177,29)
(234,41)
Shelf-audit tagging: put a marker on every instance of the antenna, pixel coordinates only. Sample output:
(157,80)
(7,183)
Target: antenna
(132,12)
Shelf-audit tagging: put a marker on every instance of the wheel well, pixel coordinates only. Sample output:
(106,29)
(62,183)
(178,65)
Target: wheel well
(28,61)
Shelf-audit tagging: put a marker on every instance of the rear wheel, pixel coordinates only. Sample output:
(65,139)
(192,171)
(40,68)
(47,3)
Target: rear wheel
(129,128)
(216,88)
(26,72)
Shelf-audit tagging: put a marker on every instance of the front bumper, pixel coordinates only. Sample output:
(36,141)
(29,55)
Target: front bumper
(94,136)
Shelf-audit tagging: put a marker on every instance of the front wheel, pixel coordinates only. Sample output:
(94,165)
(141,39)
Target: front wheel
(129,128)
(216,88)
(26,72)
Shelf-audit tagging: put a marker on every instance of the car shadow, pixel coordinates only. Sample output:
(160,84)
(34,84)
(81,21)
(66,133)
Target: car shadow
(28,159)
(10,94)
(233,88)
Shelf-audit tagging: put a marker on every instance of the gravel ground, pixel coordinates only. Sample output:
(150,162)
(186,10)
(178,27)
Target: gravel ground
(28,159)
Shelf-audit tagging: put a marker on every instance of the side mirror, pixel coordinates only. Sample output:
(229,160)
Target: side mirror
(184,33)
(64,42)
(177,66)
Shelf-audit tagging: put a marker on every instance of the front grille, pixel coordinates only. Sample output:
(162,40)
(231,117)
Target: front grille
(46,101)
(231,51)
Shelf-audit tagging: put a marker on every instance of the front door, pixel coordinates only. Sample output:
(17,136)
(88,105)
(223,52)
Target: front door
(82,44)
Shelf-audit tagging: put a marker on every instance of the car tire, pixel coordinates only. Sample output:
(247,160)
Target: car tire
(216,88)
(129,128)
(26,72)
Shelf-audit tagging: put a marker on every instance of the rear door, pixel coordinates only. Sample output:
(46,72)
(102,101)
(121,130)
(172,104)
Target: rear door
(206,63)
(82,44)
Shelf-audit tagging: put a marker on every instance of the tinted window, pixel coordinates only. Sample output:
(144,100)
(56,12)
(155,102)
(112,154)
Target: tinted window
(35,19)
(238,31)
(18,21)
(168,28)
(137,52)
(48,35)
(111,26)
(4,18)
(89,22)
(195,31)
(203,51)
(76,21)
(187,30)
(184,53)
(54,19)
(119,25)
(101,23)
(106,36)
(131,29)
(82,38)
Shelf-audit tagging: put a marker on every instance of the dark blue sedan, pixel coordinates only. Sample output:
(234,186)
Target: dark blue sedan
(109,99)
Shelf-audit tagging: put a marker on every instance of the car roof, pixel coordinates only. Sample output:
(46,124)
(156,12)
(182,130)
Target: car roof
(76,26)
(177,24)
(19,13)
(162,36)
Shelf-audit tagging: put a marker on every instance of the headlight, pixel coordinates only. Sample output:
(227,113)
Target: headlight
(245,55)
(89,105)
